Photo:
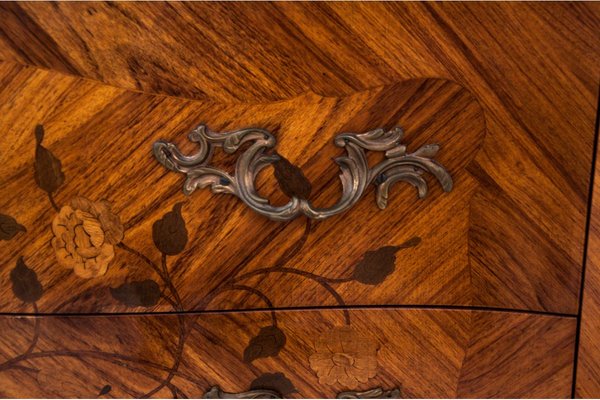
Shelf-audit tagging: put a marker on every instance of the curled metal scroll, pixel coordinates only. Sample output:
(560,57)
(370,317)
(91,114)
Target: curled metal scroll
(356,175)
(376,393)
(215,392)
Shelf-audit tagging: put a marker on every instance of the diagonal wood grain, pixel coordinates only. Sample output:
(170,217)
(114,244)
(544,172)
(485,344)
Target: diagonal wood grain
(429,353)
(509,91)
(226,239)
(533,68)
(586,379)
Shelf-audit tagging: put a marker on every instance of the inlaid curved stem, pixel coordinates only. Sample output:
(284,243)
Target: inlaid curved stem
(356,175)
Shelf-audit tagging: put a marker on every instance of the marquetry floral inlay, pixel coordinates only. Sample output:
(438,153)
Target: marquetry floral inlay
(85,233)
(345,357)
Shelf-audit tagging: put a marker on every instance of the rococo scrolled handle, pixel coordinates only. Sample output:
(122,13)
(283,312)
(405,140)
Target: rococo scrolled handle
(356,175)
(216,392)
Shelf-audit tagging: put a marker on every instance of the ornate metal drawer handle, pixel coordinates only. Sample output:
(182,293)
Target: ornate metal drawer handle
(356,175)
(215,392)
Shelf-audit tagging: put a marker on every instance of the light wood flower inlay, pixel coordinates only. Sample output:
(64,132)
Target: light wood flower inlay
(85,233)
(343,356)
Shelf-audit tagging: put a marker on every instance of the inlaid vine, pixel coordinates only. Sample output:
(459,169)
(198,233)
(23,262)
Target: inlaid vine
(87,236)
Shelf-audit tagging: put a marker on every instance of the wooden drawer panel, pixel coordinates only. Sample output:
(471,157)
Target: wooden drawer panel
(416,251)
(426,353)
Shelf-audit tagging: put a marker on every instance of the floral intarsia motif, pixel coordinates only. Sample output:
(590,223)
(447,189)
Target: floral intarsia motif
(343,356)
(87,236)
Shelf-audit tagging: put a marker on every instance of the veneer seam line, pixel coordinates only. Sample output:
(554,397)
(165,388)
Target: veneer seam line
(309,308)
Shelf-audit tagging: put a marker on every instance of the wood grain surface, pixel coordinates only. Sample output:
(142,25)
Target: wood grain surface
(462,353)
(587,374)
(91,224)
(533,69)
(227,242)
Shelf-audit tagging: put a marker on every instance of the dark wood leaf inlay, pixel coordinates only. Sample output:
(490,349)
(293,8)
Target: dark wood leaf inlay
(376,265)
(9,227)
(277,382)
(48,169)
(269,341)
(105,390)
(290,178)
(169,233)
(25,284)
(137,294)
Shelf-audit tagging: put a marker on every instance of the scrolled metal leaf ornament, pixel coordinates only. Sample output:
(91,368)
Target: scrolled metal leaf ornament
(376,393)
(356,175)
(215,392)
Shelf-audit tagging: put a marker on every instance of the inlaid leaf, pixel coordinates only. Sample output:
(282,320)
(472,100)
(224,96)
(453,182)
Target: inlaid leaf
(277,382)
(269,341)
(290,178)
(135,294)
(25,284)
(169,233)
(375,266)
(9,227)
(48,170)
(105,390)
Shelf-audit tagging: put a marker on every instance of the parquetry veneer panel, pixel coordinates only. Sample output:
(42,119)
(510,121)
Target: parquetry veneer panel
(428,353)
(102,138)
(91,223)
(533,68)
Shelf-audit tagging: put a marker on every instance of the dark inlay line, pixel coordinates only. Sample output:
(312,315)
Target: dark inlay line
(588,220)
(310,308)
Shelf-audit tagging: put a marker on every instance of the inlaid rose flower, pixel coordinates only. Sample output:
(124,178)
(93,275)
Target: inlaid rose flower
(85,233)
(345,357)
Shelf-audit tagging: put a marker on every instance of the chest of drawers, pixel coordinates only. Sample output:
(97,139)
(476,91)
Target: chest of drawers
(298,200)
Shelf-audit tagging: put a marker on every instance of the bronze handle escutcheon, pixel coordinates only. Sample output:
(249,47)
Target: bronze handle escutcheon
(355,175)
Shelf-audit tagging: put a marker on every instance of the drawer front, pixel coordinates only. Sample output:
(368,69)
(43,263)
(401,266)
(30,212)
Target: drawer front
(510,233)
(94,151)
(308,354)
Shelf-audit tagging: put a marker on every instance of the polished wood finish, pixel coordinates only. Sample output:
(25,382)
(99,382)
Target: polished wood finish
(472,293)
(227,241)
(529,65)
(587,383)
(462,353)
